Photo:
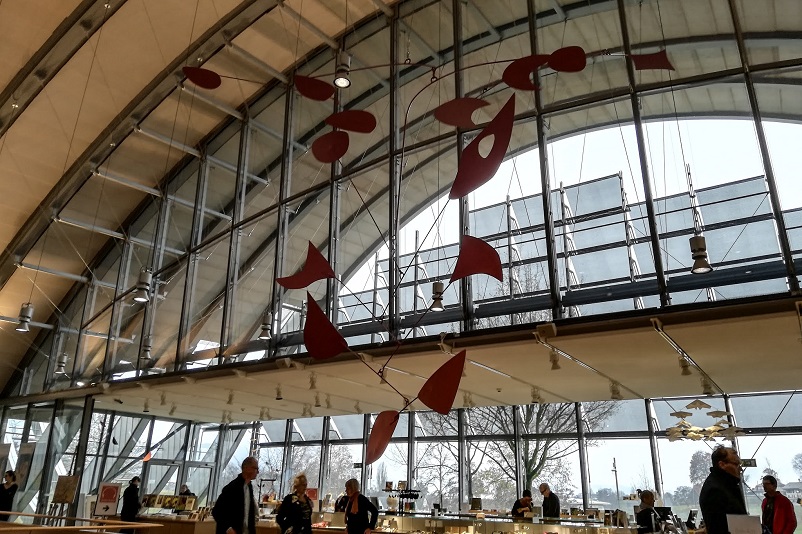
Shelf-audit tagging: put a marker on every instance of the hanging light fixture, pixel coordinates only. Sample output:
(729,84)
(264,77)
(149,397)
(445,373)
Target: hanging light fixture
(144,356)
(699,255)
(312,380)
(328,401)
(685,366)
(554,358)
(61,364)
(437,296)
(163,399)
(536,398)
(172,410)
(317,400)
(25,317)
(142,293)
(267,322)
(278,393)
(707,387)
(230,400)
(146,408)
(343,70)
(615,391)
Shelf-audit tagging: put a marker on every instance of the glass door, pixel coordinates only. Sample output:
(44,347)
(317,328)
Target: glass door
(198,477)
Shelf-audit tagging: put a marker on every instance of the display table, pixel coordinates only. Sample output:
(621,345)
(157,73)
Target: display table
(176,525)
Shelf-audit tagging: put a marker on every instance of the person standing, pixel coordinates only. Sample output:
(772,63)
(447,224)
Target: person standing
(357,510)
(235,509)
(721,492)
(778,510)
(294,516)
(522,505)
(551,503)
(7,492)
(130,507)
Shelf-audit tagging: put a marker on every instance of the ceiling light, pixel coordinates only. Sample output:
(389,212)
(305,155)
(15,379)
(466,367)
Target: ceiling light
(357,408)
(142,293)
(707,387)
(25,317)
(699,255)
(172,410)
(312,380)
(381,376)
(342,71)
(163,399)
(466,400)
(685,366)
(144,356)
(61,364)
(230,400)
(317,400)
(615,391)
(328,401)
(437,297)
(267,322)
(554,358)
(146,408)
(229,418)
(262,414)
(278,393)
(536,398)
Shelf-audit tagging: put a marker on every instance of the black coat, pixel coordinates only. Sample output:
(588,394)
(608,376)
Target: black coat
(551,505)
(7,499)
(648,521)
(721,495)
(130,503)
(229,510)
(358,522)
(295,513)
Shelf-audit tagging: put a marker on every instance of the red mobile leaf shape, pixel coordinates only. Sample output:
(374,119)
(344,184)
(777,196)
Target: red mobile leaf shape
(440,390)
(330,147)
(657,60)
(458,112)
(380,435)
(316,268)
(568,59)
(147,457)
(476,256)
(205,78)
(474,170)
(321,338)
(353,120)
(313,88)
(518,73)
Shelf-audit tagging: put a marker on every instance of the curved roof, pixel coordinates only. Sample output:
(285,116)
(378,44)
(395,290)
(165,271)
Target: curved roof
(99,124)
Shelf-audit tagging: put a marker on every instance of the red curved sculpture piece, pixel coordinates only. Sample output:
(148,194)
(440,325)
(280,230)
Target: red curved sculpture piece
(205,78)
(476,256)
(657,60)
(474,170)
(440,390)
(458,112)
(380,435)
(568,59)
(313,88)
(316,268)
(518,74)
(353,120)
(322,339)
(331,146)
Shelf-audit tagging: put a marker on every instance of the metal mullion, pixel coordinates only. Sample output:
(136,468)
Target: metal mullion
(394,181)
(656,465)
(115,321)
(583,454)
(779,219)
(191,275)
(665,298)
(325,449)
(462,453)
(332,285)
(235,237)
(545,177)
(285,461)
(47,467)
(411,439)
(517,437)
(282,226)
(465,284)
(80,453)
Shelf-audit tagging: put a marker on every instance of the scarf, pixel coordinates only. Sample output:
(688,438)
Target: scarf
(353,503)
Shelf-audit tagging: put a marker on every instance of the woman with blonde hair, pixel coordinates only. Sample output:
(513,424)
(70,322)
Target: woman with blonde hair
(294,516)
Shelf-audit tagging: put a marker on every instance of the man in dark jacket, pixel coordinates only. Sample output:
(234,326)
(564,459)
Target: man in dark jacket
(721,493)
(551,503)
(130,504)
(235,509)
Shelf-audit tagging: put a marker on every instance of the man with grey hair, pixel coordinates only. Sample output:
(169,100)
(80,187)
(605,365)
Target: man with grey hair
(721,493)
(235,509)
(551,503)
